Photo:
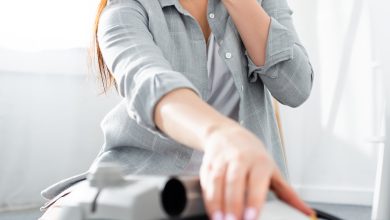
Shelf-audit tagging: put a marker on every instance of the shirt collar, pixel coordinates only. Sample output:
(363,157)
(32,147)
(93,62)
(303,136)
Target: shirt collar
(164,3)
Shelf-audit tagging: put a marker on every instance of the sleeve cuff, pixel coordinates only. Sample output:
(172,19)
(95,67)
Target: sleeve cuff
(279,48)
(151,90)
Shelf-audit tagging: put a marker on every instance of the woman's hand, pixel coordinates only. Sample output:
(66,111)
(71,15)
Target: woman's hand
(236,174)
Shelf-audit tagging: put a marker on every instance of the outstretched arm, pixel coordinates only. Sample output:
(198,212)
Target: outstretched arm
(235,161)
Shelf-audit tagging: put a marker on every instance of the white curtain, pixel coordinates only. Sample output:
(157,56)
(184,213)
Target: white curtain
(332,141)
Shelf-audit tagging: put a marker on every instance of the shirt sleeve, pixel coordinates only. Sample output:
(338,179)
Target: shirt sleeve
(142,73)
(287,72)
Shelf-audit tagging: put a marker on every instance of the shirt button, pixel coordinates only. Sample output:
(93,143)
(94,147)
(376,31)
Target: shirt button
(241,122)
(242,88)
(211,15)
(228,55)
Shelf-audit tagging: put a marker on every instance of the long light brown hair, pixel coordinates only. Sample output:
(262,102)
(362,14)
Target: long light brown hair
(96,58)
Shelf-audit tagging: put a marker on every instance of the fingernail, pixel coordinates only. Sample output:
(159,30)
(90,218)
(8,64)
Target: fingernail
(230,216)
(217,215)
(250,214)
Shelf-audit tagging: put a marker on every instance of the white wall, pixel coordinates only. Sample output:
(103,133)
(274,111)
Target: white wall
(330,155)
(49,127)
(381,204)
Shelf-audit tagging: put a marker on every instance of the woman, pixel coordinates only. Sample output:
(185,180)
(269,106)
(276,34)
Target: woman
(196,79)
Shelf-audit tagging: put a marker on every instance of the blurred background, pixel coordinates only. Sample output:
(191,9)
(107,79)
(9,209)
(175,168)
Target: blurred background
(50,107)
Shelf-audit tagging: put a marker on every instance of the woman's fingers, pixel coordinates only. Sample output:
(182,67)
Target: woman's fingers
(258,185)
(237,190)
(235,183)
(285,192)
(214,177)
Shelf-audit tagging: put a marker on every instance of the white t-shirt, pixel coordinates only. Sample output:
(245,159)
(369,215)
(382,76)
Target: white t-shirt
(223,95)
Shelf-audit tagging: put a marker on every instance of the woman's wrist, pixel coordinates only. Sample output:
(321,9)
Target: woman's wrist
(186,118)
(217,128)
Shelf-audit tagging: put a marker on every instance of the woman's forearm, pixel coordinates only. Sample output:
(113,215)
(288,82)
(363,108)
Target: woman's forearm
(252,23)
(186,118)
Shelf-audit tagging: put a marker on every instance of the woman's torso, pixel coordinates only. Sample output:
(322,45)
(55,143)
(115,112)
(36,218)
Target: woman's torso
(182,42)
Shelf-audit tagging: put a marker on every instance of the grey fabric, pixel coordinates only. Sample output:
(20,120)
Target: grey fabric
(223,95)
(156,46)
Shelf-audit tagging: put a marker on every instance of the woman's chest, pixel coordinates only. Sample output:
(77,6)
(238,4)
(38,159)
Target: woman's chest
(182,41)
(198,10)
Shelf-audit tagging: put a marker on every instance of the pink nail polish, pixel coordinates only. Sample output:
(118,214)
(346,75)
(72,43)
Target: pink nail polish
(250,214)
(218,215)
(230,216)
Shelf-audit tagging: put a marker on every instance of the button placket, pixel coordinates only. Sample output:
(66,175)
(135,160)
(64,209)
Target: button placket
(228,55)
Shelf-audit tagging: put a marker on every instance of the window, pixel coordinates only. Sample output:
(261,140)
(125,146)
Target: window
(46,24)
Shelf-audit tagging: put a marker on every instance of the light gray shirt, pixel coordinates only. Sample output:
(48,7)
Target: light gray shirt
(223,95)
(155,46)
